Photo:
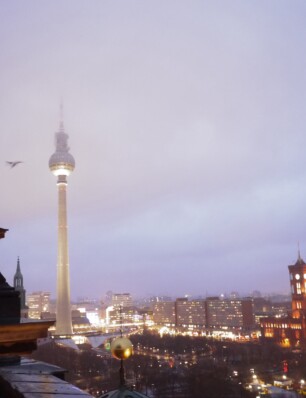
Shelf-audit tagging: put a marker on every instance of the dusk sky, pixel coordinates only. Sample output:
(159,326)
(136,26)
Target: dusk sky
(187,122)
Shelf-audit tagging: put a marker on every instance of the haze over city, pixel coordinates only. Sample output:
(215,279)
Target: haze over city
(187,123)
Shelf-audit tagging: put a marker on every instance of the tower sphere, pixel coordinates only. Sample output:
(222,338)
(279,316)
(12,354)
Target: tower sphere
(61,163)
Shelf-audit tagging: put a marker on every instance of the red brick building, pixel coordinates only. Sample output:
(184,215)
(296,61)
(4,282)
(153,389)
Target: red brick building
(290,330)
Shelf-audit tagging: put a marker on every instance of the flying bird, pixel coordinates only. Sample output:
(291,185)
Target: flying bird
(13,164)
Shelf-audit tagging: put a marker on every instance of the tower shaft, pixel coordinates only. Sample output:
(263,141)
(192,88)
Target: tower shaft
(61,164)
(63,309)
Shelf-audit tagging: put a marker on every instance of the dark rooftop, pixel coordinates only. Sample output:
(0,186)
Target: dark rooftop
(30,378)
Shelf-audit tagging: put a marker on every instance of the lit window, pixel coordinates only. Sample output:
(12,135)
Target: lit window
(297,277)
(298,288)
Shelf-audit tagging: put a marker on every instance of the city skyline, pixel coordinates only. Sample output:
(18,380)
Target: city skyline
(188,123)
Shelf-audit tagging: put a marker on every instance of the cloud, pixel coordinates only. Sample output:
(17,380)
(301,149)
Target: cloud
(187,126)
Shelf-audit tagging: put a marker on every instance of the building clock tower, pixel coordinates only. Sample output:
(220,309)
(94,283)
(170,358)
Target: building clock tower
(297,274)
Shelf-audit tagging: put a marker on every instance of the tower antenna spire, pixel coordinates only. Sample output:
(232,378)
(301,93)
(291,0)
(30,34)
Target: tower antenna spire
(18,264)
(61,116)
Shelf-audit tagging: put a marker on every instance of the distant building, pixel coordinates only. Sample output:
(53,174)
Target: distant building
(121,311)
(108,297)
(155,299)
(80,322)
(262,309)
(38,302)
(281,309)
(117,316)
(122,300)
(164,313)
(236,313)
(214,312)
(190,314)
(262,305)
(88,308)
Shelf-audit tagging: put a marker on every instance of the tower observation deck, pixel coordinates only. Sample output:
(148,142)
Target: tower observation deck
(61,164)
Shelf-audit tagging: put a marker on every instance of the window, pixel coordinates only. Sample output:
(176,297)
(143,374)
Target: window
(298,288)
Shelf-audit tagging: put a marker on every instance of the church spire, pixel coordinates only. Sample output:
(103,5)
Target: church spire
(18,278)
(18,266)
(18,284)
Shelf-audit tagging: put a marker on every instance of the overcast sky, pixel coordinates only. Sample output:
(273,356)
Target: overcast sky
(187,121)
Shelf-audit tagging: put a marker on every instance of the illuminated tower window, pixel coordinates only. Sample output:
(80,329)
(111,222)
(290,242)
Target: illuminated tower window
(298,288)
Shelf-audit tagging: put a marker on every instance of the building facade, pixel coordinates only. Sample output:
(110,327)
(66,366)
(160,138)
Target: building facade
(190,314)
(212,312)
(122,300)
(126,316)
(38,302)
(164,313)
(235,313)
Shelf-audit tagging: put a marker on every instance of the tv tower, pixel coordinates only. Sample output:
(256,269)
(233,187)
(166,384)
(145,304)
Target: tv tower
(61,164)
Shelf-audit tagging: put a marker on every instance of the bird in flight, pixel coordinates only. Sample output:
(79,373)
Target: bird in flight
(13,164)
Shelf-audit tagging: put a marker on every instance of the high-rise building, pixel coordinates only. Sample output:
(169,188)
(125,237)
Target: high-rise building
(164,313)
(212,313)
(122,300)
(61,164)
(190,313)
(18,285)
(121,310)
(38,302)
(222,312)
(122,316)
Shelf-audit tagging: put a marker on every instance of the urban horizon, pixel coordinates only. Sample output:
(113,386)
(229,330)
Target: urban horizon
(75,295)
